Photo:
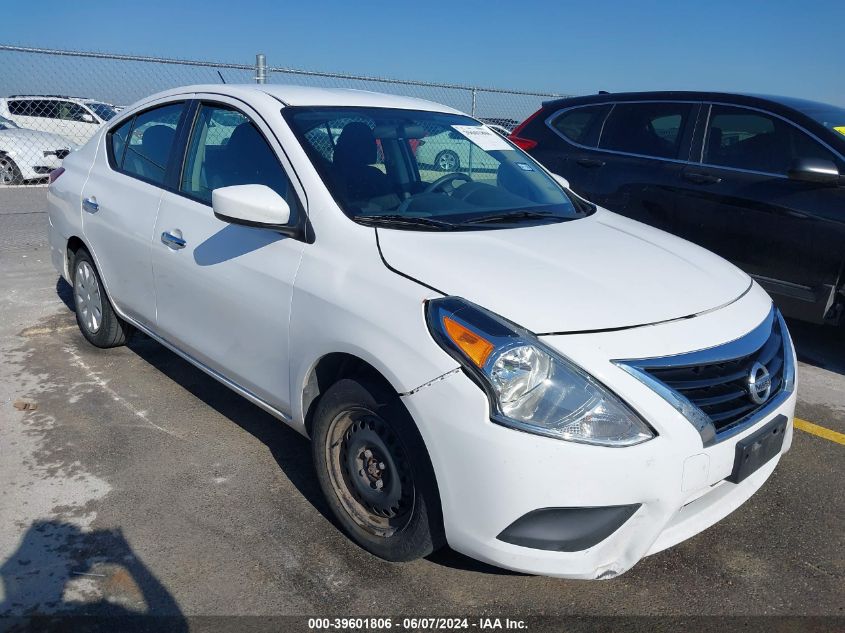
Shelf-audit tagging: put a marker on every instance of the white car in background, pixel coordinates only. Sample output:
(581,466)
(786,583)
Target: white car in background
(29,154)
(490,362)
(73,118)
(450,151)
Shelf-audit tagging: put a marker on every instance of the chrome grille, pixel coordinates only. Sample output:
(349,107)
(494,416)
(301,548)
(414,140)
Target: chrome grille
(721,389)
(712,388)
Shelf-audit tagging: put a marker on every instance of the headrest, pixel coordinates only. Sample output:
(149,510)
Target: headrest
(356,146)
(156,142)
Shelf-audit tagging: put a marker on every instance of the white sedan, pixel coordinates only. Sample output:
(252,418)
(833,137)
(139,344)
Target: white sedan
(494,363)
(29,154)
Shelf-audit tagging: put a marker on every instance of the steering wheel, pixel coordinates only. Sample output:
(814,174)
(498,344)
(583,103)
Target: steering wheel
(445,182)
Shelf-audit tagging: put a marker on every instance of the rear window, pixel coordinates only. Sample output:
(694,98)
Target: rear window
(649,129)
(582,125)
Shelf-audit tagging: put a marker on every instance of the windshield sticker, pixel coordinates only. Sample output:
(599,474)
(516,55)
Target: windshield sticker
(840,129)
(525,166)
(484,137)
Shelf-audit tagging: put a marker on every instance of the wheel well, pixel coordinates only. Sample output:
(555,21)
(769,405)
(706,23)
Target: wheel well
(328,370)
(73,246)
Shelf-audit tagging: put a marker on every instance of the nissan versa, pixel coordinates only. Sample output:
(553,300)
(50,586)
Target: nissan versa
(480,357)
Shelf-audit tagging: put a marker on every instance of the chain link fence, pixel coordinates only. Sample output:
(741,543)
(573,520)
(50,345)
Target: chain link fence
(52,101)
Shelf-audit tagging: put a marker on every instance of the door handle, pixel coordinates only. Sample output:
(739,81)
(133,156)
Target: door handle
(90,204)
(590,162)
(172,241)
(701,179)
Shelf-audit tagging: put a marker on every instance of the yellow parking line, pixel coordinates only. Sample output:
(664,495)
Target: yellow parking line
(815,429)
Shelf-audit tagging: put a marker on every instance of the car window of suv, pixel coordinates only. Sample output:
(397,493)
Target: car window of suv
(748,139)
(226,149)
(650,129)
(45,108)
(582,125)
(20,108)
(148,148)
(69,111)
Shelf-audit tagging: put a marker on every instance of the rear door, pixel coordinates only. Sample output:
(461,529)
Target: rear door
(224,290)
(120,202)
(738,201)
(570,150)
(644,146)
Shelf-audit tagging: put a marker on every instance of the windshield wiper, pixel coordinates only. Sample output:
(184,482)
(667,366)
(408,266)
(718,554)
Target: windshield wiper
(514,216)
(404,220)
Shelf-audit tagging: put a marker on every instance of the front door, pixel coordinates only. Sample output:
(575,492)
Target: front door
(740,203)
(224,290)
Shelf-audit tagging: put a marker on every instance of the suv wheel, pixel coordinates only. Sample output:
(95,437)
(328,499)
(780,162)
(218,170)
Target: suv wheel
(375,472)
(94,313)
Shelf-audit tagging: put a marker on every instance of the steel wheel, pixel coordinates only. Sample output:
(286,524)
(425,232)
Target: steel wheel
(370,472)
(89,302)
(447,161)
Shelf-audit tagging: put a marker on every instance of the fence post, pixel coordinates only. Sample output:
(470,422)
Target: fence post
(474,93)
(260,68)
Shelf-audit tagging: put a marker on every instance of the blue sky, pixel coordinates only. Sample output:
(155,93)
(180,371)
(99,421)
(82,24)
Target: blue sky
(774,47)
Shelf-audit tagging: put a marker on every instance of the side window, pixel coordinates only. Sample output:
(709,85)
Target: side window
(20,108)
(650,129)
(118,138)
(747,139)
(69,111)
(227,149)
(582,125)
(45,108)
(146,153)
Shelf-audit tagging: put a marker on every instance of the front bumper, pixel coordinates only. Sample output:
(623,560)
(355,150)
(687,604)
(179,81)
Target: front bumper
(490,476)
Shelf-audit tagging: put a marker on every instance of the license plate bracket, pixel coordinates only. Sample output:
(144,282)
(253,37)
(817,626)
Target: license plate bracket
(758,448)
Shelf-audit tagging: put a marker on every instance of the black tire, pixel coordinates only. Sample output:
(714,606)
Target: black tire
(355,417)
(109,330)
(447,160)
(9,172)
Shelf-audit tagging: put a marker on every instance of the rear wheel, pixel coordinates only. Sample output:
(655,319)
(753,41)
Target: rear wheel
(9,172)
(374,471)
(95,316)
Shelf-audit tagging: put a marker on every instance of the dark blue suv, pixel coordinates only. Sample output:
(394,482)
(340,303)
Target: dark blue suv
(755,179)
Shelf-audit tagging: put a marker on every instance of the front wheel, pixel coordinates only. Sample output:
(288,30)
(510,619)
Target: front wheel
(447,160)
(375,472)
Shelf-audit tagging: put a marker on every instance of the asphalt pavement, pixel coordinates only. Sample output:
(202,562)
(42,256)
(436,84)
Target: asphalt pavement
(140,485)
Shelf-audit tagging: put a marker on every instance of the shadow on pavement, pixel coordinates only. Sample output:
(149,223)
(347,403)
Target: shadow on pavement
(62,578)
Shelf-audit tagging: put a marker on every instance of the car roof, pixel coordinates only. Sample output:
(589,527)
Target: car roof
(309,96)
(771,102)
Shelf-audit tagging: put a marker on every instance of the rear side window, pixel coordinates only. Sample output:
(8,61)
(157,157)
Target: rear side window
(20,108)
(46,109)
(227,149)
(582,125)
(649,129)
(118,141)
(145,151)
(747,139)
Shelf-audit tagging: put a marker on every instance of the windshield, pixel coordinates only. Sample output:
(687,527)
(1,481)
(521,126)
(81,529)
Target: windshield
(6,124)
(426,170)
(102,110)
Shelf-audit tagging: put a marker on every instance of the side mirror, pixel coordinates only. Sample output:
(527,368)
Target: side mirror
(815,170)
(563,182)
(88,118)
(250,205)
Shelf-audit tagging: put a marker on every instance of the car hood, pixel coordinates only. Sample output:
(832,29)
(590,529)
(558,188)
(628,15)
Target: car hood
(33,138)
(595,273)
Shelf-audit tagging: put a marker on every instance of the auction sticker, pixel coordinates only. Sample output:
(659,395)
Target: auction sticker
(483,136)
(840,129)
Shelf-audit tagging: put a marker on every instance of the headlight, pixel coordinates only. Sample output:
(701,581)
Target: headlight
(531,387)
